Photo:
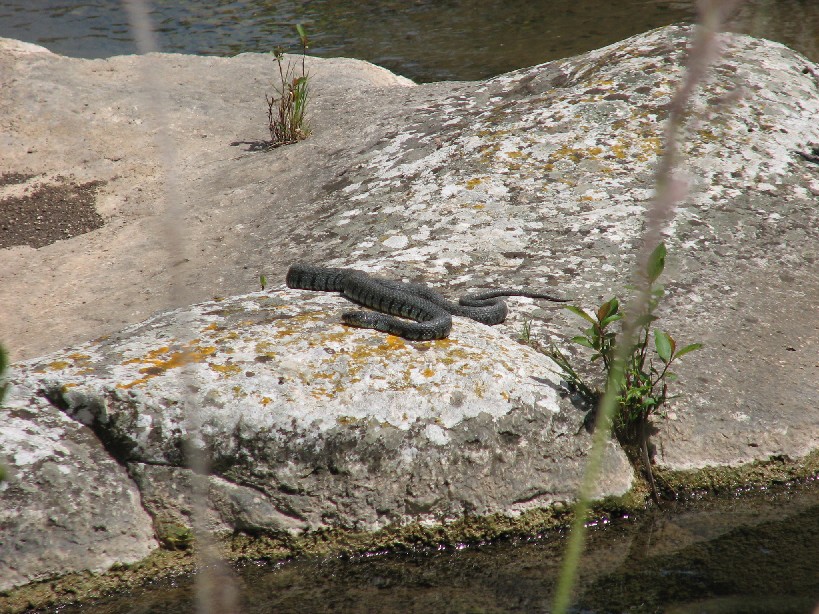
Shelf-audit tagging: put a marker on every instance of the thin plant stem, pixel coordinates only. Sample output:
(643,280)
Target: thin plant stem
(577,535)
(155,94)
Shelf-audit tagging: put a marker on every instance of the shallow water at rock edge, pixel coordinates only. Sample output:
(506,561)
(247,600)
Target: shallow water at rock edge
(754,552)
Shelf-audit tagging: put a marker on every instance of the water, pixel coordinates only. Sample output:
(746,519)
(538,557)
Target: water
(758,552)
(426,40)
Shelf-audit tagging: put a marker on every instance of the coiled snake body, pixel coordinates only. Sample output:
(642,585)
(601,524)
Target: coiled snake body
(431,312)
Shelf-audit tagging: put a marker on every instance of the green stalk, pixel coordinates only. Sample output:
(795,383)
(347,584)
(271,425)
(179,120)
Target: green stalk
(577,536)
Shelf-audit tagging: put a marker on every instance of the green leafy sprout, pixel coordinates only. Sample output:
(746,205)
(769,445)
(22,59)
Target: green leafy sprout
(525,335)
(286,112)
(641,384)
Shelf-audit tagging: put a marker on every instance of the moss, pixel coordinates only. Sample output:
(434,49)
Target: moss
(87,586)
(728,480)
(174,535)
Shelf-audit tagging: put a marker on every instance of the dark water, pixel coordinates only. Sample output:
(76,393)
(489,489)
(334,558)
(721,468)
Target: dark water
(426,40)
(755,553)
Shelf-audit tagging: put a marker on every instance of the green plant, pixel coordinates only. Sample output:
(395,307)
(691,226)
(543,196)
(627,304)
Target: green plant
(286,114)
(263,281)
(525,335)
(641,384)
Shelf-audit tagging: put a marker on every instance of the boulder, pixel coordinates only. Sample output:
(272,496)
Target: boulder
(330,427)
(66,504)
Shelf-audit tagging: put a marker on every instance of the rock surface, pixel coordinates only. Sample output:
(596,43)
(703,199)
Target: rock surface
(334,427)
(66,504)
(538,177)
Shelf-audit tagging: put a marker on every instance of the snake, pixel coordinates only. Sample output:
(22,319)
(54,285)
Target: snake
(427,314)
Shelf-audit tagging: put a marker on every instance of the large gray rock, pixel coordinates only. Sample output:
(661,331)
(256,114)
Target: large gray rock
(66,504)
(333,427)
(537,177)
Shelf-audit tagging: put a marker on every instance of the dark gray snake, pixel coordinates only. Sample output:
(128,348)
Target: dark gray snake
(431,311)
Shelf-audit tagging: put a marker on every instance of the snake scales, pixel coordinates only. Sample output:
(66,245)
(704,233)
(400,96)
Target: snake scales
(431,312)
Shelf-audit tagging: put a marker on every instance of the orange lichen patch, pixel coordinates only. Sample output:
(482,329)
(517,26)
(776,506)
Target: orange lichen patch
(428,372)
(65,387)
(347,420)
(238,391)
(651,146)
(575,154)
(456,354)
(152,355)
(488,151)
(321,393)
(228,369)
(514,154)
(479,206)
(329,382)
(475,181)
(262,347)
(76,360)
(212,326)
(601,83)
(163,359)
(394,342)
(265,401)
(389,345)
(492,133)
(220,336)
(136,382)
(443,343)
(321,375)
(619,150)
(294,326)
(338,336)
